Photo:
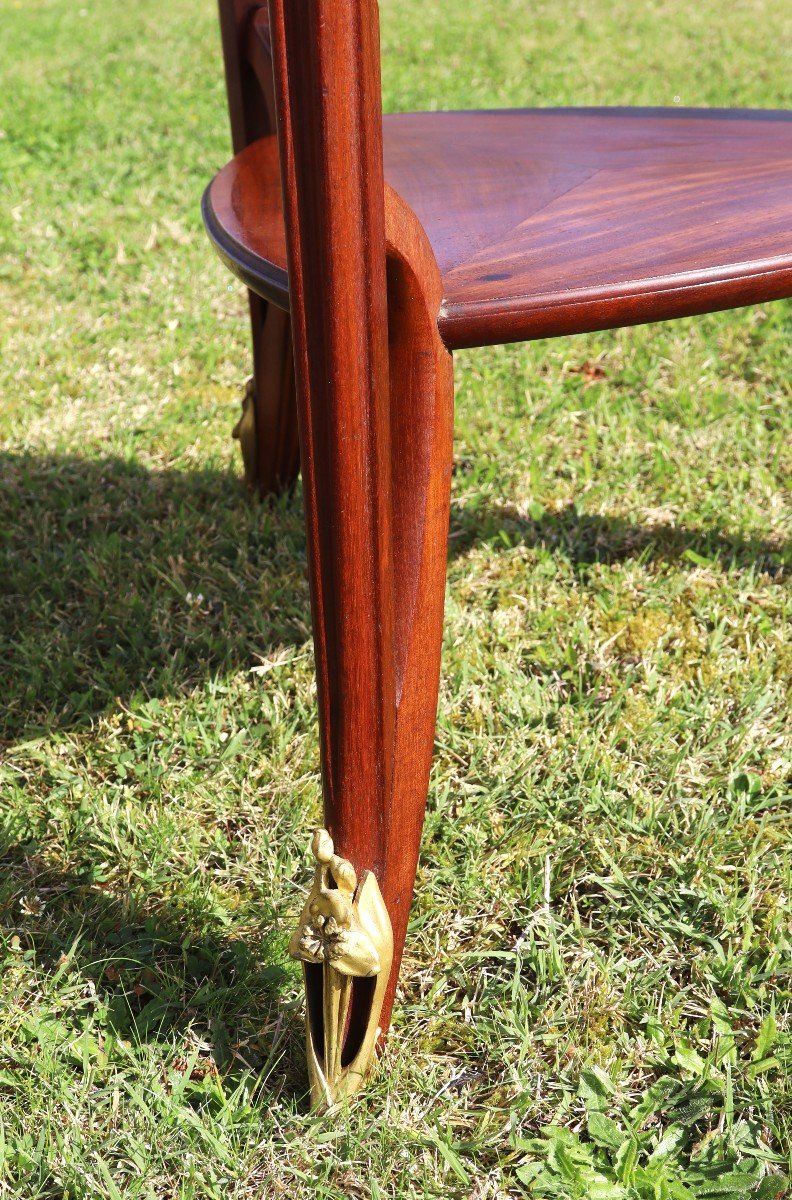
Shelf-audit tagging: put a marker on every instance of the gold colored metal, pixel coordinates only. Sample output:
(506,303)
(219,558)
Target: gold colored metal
(345,942)
(245,433)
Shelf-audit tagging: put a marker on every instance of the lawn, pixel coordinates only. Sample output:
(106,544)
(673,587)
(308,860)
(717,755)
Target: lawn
(595,1001)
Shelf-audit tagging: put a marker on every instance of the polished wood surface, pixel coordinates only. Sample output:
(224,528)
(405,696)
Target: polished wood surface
(250,90)
(421,452)
(374,395)
(386,244)
(330,129)
(243,213)
(244,26)
(552,221)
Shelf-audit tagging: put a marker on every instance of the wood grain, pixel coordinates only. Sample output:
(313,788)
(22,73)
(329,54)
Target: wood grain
(421,448)
(390,243)
(555,221)
(250,107)
(327,88)
(375,399)
(244,26)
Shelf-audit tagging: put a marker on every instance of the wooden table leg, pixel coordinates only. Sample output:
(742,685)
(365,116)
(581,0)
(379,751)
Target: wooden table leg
(375,398)
(267,429)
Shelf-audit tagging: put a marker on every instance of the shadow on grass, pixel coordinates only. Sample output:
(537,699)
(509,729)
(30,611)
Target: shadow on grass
(159,975)
(118,581)
(584,539)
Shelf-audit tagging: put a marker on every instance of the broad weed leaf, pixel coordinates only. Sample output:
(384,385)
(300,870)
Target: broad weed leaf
(605,1132)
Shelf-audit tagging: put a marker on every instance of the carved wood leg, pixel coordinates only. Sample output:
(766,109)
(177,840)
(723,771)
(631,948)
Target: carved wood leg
(375,399)
(267,428)
(378,663)
(422,415)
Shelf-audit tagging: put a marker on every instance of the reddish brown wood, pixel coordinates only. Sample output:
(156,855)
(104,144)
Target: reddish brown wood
(375,443)
(553,221)
(257,52)
(602,217)
(243,214)
(277,441)
(250,106)
(327,87)
(244,217)
(491,227)
(244,26)
(421,448)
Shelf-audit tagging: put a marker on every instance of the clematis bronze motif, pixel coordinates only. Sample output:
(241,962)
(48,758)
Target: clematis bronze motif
(345,943)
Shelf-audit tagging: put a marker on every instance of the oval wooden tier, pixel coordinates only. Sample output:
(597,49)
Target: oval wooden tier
(555,221)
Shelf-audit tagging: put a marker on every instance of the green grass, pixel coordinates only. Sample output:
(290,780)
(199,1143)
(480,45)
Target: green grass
(596,998)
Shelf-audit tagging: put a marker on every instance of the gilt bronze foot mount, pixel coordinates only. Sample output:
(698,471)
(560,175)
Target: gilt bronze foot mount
(345,943)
